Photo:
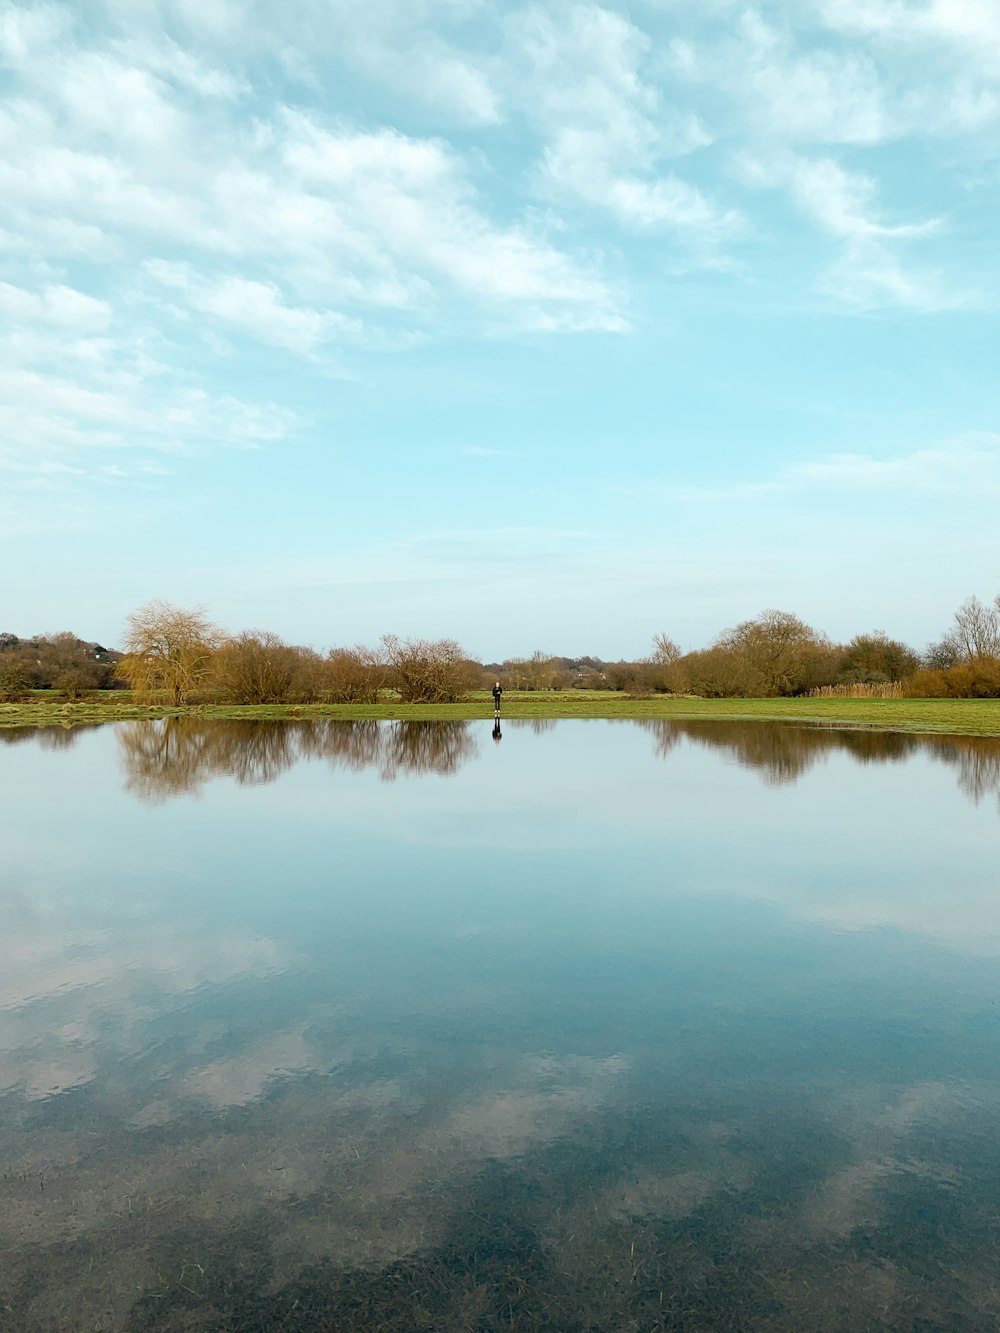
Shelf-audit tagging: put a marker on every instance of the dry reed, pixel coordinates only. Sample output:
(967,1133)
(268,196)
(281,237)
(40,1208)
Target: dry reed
(890,689)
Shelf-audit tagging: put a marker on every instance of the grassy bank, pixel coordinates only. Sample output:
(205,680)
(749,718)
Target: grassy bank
(970,717)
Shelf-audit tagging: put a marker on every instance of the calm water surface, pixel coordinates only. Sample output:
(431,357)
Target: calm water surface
(604,1026)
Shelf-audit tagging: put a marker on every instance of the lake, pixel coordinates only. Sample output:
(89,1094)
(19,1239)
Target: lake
(591,1025)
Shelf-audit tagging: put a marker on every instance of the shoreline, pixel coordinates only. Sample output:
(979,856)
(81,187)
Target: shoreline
(968,717)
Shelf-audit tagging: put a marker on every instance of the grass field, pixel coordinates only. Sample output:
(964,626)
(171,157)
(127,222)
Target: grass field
(968,717)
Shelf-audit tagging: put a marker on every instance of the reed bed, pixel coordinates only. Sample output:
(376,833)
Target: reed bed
(890,689)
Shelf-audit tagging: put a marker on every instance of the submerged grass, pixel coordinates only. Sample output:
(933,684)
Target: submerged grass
(968,717)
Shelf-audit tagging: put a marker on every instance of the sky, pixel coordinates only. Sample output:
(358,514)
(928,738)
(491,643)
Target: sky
(536,326)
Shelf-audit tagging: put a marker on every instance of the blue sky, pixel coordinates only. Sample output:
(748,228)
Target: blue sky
(532,325)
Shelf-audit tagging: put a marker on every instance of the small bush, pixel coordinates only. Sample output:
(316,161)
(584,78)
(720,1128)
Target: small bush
(14,683)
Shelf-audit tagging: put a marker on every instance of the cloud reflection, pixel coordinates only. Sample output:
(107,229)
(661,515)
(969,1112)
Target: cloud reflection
(206,1127)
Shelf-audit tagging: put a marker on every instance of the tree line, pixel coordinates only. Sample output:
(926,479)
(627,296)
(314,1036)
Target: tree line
(55,661)
(179,654)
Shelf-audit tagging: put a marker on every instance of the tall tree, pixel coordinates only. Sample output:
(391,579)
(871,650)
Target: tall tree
(777,653)
(873,658)
(168,648)
(976,628)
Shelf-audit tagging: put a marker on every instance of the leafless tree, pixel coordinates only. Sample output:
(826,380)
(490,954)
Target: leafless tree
(976,628)
(168,648)
(777,654)
(256,667)
(427,672)
(355,675)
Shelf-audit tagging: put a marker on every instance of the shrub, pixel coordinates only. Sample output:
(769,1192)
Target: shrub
(427,672)
(14,682)
(256,667)
(975,679)
(874,658)
(73,682)
(353,675)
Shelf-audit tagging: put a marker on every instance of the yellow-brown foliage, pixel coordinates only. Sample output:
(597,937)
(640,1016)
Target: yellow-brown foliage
(975,679)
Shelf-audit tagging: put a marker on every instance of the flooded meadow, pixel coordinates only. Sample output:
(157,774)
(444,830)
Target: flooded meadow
(580,1025)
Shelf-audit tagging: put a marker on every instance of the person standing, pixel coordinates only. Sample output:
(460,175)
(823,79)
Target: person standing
(497,696)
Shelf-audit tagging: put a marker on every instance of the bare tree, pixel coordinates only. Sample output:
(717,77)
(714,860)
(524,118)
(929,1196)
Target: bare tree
(664,671)
(168,648)
(976,628)
(874,658)
(427,672)
(776,654)
(665,651)
(540,671)
(256,667)
(355,675)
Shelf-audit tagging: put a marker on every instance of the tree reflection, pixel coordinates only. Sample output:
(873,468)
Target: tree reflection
(179,755)
(976,761)
(782,752)
(48,738)
(393,748)
(17,735)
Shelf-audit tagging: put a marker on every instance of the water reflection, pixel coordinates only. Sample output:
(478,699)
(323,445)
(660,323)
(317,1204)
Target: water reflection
(293,1060)
(179,755)
(783,752)
(48,738)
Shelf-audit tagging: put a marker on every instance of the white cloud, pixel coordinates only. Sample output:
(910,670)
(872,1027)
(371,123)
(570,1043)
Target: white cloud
(26,32)
(406,206)
(53,416)
(253,307)
(395,44)
(869,276)
(147,157)
(969,23)
(814,95)
(842,202)
(56,305)
(867,272)
(122,150)
(946,54)
(967,465)
(412,47)
(172,62)
(373,216)
(578,75)
(861,72)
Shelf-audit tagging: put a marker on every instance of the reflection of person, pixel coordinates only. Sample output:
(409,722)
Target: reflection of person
(497,696)
(497,734)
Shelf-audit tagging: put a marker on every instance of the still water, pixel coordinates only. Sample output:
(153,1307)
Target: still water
(600,1025)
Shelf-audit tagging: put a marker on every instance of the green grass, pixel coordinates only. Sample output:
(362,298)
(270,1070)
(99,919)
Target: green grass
(968,717)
